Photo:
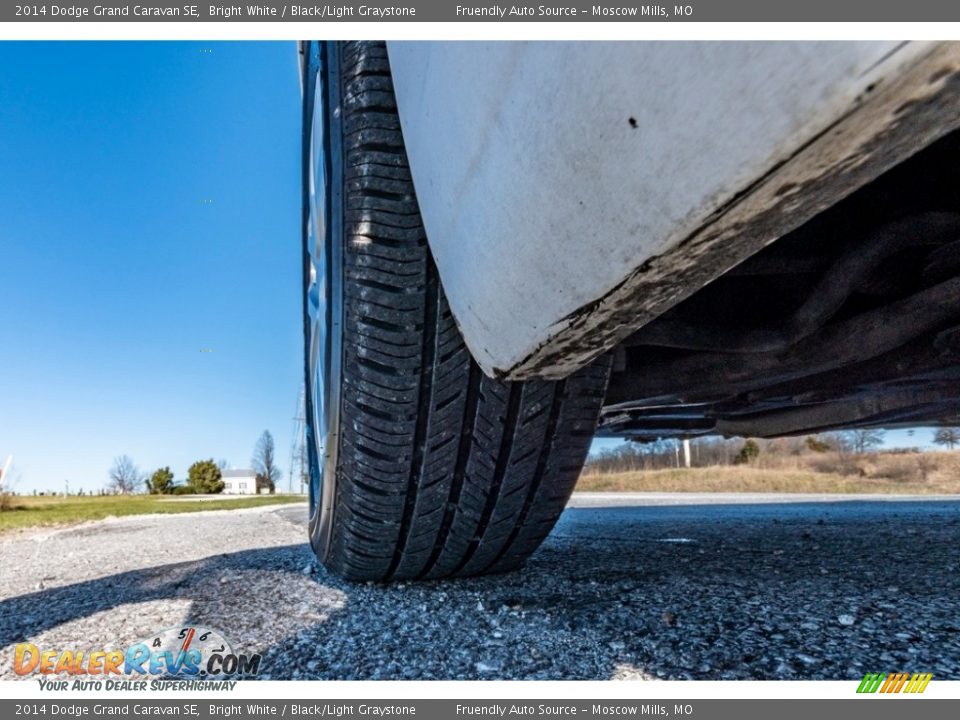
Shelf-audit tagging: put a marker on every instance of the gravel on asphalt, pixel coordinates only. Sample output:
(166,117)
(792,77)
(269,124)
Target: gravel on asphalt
(622,590)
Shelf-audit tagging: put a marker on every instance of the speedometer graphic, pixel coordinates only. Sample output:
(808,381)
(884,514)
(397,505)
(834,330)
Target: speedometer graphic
(182,650)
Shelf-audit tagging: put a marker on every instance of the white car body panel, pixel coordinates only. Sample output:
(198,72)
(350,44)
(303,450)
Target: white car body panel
(551,175)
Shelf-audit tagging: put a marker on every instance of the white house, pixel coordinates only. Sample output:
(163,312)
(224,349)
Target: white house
(239,482)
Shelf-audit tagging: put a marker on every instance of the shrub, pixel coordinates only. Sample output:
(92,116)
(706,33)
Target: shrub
(817,445)
(265,484)
(836,463)
(161,482)
(204,477)
(912,467)
(748,453)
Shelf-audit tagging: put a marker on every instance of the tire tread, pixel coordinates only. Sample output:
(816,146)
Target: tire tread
(441,470)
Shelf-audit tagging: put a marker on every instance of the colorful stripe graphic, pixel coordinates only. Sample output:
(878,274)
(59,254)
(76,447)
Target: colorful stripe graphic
(894,682)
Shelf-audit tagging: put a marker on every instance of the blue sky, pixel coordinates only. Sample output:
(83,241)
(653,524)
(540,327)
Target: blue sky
(149,212)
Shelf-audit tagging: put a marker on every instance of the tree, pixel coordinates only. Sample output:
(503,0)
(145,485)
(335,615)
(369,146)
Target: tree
(204,477)
(263,463)
(161,482)
(125,476)
(862,441)
(748,453)
(948,436)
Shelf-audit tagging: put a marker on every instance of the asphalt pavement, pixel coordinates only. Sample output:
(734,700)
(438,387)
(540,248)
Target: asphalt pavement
(627,587)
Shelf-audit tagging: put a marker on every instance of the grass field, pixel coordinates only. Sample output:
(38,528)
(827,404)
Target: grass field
(906,474)
(889,473)
(29,511)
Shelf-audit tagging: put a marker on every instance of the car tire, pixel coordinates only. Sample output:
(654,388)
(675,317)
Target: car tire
(420,465)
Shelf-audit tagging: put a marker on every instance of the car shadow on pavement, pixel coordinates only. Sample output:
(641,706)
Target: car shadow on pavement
(792,591)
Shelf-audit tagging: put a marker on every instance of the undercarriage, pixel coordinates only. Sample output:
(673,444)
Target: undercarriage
(850,321)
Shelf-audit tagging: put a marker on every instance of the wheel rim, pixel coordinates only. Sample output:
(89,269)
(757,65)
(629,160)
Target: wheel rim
(319,350)
(323,302)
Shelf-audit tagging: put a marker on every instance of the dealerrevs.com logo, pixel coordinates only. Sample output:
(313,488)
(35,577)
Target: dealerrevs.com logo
(191,652)
(888,683)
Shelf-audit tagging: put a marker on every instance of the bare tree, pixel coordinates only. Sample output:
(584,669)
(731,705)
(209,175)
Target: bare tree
(841,442)
(947,436)
(864,440)
(125,476)
(264,464)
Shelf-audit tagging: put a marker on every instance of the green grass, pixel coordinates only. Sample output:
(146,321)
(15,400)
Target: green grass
(28,511)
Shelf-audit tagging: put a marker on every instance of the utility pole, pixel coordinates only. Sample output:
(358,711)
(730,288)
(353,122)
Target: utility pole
(6,469)
(298,443)
(686,452)
(303,463)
